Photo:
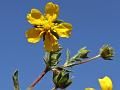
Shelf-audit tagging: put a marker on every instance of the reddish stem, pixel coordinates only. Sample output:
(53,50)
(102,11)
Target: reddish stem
(39,78)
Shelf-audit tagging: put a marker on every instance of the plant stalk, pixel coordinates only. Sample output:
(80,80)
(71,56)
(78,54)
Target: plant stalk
(84,61)
(39,78)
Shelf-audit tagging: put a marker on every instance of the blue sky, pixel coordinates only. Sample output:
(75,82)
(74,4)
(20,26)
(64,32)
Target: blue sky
(95,22)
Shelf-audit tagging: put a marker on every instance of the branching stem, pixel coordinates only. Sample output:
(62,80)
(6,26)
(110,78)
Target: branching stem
(39,78)
(84,61)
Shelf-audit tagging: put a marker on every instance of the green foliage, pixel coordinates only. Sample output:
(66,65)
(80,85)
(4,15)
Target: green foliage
(61,78)
(61,74)
(52,59)
(15,80)
(81,54)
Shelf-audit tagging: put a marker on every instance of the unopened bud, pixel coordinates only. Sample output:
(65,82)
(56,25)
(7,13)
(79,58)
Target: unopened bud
(106,52)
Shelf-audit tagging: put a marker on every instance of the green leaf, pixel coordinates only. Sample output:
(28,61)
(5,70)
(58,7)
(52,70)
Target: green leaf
(15,80)
(69,61)
(68,54)
(81,54)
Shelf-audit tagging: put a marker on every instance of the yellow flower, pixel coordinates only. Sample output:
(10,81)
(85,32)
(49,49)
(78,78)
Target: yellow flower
(45,27)
(106,83)
(89,89)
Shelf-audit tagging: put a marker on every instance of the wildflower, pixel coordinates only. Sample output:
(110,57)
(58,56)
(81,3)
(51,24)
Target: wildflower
(106,52)
(106,83)
(46,27)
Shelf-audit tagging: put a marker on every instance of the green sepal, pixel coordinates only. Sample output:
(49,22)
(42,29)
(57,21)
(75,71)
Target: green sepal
(83,53)
(68,83)
(56,78)
(61,78)
(58,21)
(52,59)
(55,34)
(106,52)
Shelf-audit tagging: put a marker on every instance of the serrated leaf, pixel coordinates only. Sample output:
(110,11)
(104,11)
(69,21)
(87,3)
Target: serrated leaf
(15,80)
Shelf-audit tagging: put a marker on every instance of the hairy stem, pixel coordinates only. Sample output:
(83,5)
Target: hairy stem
(39,78)
(84,61)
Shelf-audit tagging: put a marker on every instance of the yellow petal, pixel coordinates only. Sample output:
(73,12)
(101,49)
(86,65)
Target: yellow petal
(34,17)
(34,35)
(89,89)
(50,42)
(105,83)
(63,29)
(51,11)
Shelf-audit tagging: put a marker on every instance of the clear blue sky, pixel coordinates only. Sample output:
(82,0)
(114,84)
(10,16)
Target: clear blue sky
(95,22)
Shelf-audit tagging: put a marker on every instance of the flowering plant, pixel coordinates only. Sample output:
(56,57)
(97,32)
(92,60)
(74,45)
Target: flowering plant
(49,28)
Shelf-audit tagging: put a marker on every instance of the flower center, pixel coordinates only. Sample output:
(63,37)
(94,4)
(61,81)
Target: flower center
(47,25)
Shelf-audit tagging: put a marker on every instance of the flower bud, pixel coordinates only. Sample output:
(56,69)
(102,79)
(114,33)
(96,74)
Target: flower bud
(106,52)
(83,53)
(61,78)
